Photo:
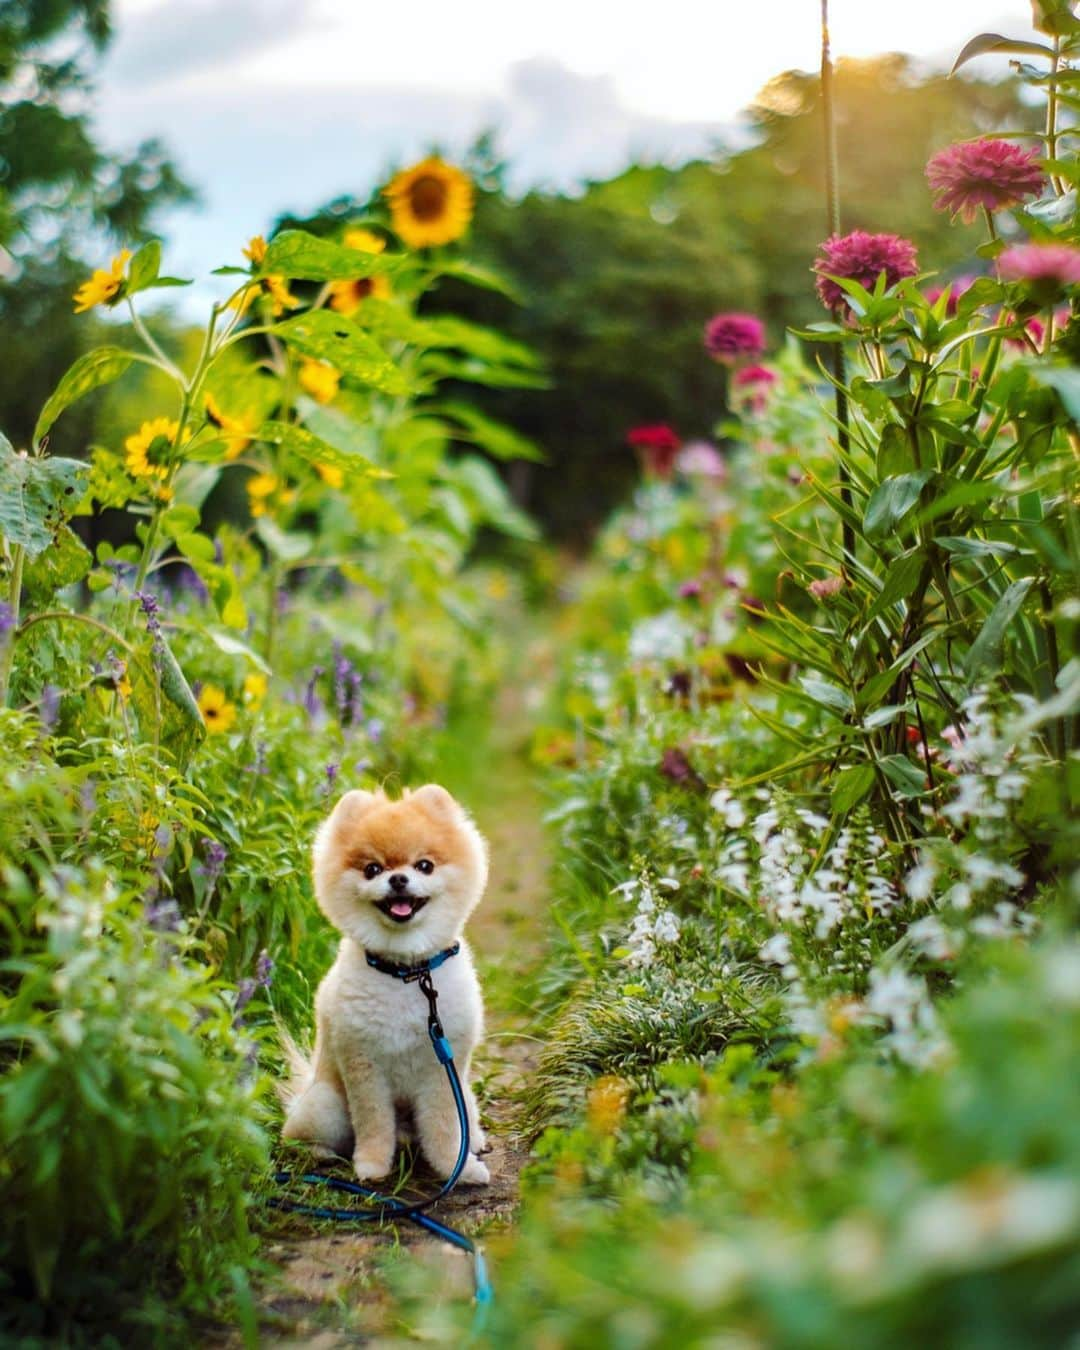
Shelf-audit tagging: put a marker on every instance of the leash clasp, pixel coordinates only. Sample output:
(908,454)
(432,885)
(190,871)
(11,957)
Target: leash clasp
(443,1051)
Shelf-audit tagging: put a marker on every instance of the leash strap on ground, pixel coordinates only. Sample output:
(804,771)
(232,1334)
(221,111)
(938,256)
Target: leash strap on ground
(388,1208)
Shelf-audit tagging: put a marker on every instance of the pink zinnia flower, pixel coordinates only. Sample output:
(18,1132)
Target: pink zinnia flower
(1046,269)
(983,175)
(862,257)
(957,287)
(658,444)
(754,375)
(728,337)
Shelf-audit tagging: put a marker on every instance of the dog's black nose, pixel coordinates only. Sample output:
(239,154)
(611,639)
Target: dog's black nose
(399,882)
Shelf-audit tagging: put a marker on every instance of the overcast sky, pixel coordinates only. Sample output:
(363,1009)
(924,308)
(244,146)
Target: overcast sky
(272,105)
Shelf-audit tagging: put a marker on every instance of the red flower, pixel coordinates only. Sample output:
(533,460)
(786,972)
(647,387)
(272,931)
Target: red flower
(983,175)
(862,257)
(1046,269)
(728,337)
(658,444)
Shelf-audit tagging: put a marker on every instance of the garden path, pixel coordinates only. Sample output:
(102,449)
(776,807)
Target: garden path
(327,1288)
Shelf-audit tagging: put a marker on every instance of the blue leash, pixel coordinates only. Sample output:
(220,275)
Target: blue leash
(389,1206)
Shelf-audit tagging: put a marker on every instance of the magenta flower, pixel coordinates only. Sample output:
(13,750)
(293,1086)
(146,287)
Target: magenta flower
(729,337)
(984,175)
(862,257)
(1046,269)
(957,287)
(751,376)
(657,444)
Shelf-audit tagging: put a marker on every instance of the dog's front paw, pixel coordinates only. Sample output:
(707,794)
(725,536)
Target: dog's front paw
(474,1173)
(370,1166)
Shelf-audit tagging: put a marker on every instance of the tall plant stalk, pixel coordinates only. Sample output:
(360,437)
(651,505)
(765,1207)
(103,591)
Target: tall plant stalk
(832,206)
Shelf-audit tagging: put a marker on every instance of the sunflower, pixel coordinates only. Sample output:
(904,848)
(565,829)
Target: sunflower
(217,712)
(272,285)
(149,453)
(331,475)
(320,380)
(103,288)
(239,429)
(346,296)
(431,203)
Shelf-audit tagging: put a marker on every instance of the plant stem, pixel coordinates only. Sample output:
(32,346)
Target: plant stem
(832,211)
(988,216)
(7,657)
(1051,113)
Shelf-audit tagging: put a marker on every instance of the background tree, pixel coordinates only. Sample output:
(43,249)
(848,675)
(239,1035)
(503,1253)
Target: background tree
(59,193)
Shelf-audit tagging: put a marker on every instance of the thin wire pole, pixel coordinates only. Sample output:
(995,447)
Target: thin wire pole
(832,209)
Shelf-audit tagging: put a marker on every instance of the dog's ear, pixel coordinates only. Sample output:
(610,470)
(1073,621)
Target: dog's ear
(351,807)
(436,802)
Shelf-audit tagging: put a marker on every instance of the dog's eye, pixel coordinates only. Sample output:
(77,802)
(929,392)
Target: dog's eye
(372,870)
(426,866)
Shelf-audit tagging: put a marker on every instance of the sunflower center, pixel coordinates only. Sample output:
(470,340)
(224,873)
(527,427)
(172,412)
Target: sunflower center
(362,287)
(427,197)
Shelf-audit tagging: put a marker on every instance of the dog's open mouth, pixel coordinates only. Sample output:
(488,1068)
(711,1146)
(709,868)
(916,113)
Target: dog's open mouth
(401,908)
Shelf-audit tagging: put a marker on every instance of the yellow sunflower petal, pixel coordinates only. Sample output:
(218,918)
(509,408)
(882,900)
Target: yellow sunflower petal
(430,204)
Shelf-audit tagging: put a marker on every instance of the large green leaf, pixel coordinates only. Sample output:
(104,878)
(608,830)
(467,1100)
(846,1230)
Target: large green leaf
(850,787)
(495,437)
(325,336)
(890,502)
(67,560)
(986,43)
(985,652)
(295,253)
(89,372)
(314,450)
(36,497)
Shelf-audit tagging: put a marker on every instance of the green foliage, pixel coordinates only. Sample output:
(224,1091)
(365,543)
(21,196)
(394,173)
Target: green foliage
(129,1100)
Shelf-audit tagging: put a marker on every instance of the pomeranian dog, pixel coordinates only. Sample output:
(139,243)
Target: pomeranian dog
(397,879)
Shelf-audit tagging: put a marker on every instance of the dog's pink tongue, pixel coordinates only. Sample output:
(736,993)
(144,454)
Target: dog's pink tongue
(402,907)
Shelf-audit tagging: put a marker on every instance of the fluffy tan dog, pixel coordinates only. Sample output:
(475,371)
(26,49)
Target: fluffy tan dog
(399,879)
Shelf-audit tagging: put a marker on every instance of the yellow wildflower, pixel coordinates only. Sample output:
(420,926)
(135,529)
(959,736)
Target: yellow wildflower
(347,296)
(280,294)
(260,488)
(320,380)
(255,687)
(606,1103)
(103,287)
(331,475)
(365,240)
(274,285)
(431,203)
(239,428)
(217,712)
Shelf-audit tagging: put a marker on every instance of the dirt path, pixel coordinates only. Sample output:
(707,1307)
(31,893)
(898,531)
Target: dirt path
(327,1289)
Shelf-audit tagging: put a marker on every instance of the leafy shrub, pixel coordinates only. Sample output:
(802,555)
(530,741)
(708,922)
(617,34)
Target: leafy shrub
(129,1101)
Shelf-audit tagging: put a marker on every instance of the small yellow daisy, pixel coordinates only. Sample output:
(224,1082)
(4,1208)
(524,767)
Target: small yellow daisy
(256,249)
(217,712)
(320,380)
(103,287)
